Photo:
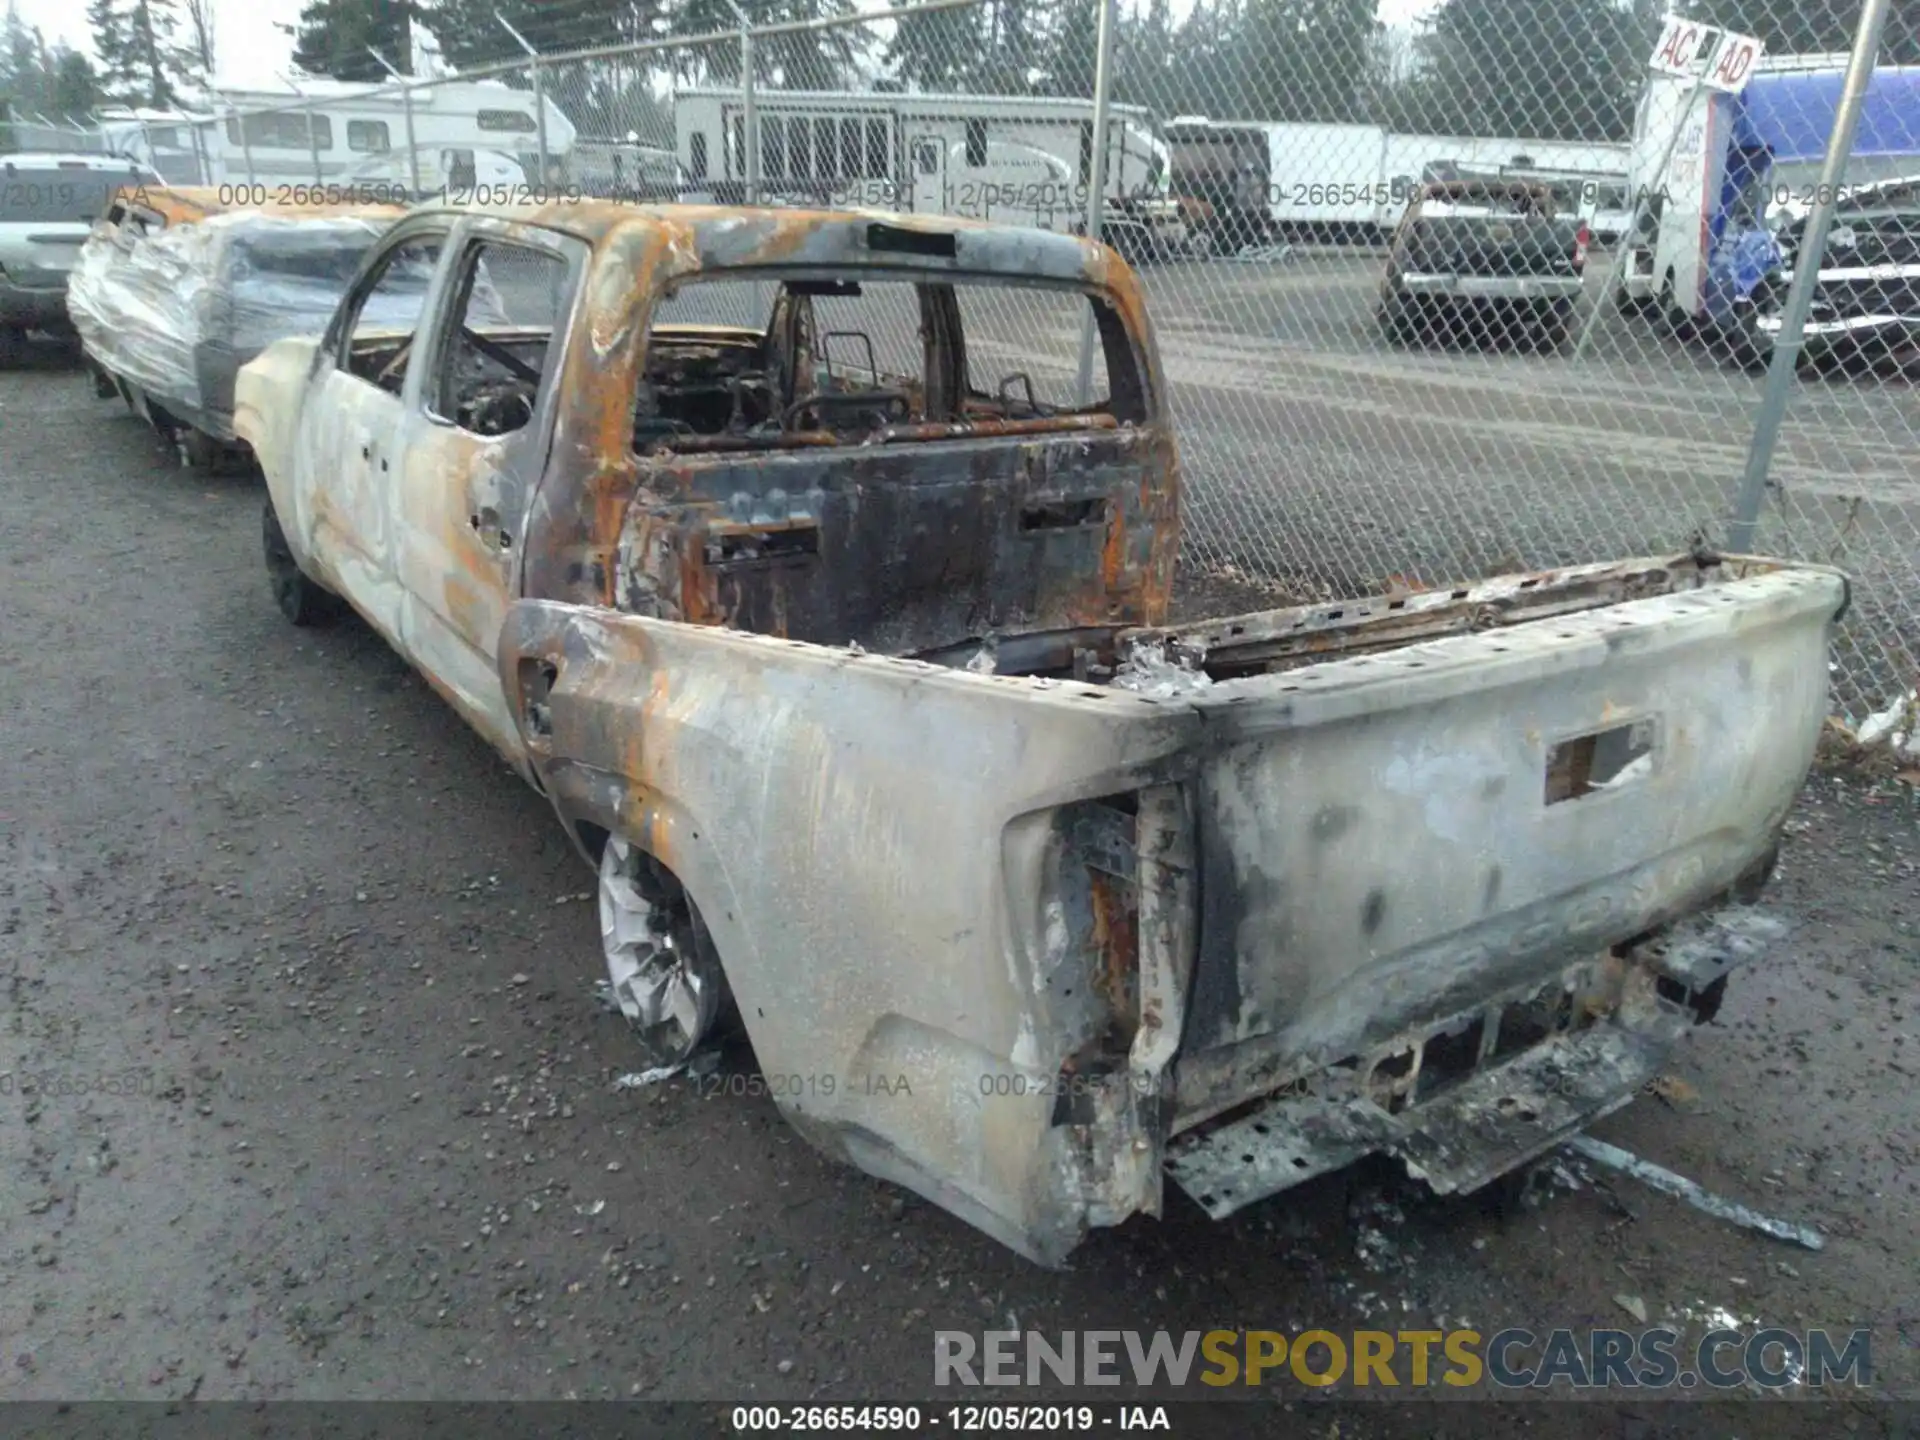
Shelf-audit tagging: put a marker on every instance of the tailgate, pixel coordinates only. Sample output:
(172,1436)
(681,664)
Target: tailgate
(1390,840)
(1493,245)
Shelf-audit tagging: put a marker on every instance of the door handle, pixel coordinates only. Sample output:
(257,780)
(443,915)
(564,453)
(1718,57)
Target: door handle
(492,534)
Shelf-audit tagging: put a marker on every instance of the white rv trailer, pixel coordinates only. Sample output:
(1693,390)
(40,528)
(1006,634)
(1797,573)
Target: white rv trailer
(1021,160)
(350,133)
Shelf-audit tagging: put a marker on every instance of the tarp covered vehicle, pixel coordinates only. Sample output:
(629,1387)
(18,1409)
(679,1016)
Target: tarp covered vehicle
(174,292)
(1025,900)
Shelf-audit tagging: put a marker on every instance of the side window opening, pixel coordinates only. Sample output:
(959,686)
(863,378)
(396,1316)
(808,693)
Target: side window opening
(976,144)
(497,351)
(769,365)
(697,157)
(380,342)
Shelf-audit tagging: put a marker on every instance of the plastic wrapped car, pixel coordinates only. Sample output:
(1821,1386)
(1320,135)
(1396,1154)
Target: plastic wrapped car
(173,294)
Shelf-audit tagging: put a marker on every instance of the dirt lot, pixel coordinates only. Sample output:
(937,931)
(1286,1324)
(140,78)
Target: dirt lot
(373,1149)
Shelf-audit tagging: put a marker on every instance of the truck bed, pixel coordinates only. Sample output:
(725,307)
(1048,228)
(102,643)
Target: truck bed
(1243,899)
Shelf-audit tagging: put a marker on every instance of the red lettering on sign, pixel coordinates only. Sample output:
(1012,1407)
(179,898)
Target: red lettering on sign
(1677,50)
(1734,64)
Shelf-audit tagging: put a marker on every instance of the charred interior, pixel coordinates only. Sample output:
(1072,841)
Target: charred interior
(891,459)
(847,361)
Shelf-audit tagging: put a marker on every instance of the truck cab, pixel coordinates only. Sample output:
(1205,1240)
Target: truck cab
(1722,222)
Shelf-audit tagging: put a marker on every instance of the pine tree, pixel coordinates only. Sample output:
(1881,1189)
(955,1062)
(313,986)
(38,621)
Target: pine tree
(155,51)
(335,37)
(113,44)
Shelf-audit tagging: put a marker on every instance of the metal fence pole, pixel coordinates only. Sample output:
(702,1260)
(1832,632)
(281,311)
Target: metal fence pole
(1096,178)
(1806,272)
(539,98)
(749,122)
(239,122)
(413,145)
(313,144)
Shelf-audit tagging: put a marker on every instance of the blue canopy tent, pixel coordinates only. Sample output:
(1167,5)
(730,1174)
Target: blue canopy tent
(1791,115)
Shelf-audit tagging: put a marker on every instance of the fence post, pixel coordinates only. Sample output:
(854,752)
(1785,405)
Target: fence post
(313,145)
(1096,177)
(406,106)
(1806,273)
(413,145)
(239,122)
(539,99)
(749,122)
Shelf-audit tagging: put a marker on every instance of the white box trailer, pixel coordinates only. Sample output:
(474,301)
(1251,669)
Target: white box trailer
(1353,181)
(351,133)
(1017,160)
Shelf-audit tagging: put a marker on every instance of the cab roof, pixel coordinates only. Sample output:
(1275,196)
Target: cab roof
(747,237)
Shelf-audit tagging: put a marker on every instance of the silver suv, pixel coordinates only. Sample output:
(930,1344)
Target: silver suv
(48,203)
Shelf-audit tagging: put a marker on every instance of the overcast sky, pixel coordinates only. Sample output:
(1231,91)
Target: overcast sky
(246,45)
(250,50)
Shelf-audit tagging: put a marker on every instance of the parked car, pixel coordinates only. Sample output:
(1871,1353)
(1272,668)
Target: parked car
(1499,257)
(1025,900)
(48,203)
(1866,303)
(176,290)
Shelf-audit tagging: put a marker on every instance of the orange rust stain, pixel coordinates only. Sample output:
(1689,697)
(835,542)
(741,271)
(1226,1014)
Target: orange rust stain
(1115,937)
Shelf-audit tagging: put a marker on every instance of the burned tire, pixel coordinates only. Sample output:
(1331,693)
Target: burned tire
(662,969)
(13,346)
(299,598)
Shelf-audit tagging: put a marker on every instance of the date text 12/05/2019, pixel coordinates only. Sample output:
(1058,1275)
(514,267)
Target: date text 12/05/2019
(963,1419)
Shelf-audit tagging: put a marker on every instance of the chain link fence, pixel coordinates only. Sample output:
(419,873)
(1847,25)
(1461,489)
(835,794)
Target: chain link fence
(1440,290)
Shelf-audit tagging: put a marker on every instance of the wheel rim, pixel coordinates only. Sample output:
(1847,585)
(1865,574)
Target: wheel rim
(659,970)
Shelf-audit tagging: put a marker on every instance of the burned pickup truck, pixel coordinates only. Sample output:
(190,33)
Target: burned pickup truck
(839,646)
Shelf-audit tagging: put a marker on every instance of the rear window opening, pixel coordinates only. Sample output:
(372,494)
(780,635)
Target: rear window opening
(837,358)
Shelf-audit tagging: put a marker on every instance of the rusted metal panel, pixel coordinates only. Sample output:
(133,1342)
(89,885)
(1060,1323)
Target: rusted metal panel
(1096,921)
(885,854)
(1424,861)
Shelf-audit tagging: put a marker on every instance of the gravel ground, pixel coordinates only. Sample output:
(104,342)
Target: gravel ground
(372,1148)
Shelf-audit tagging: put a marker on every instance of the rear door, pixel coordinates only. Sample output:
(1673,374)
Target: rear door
(470,449)
(349,434)
(927,156)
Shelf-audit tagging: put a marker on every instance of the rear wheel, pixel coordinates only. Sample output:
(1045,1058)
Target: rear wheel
(299,599)
(662,967)
(1678,322)
(1551,335)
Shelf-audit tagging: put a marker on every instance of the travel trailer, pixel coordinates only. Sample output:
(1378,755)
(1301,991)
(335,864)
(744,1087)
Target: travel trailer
(1017,160)
(338,133)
